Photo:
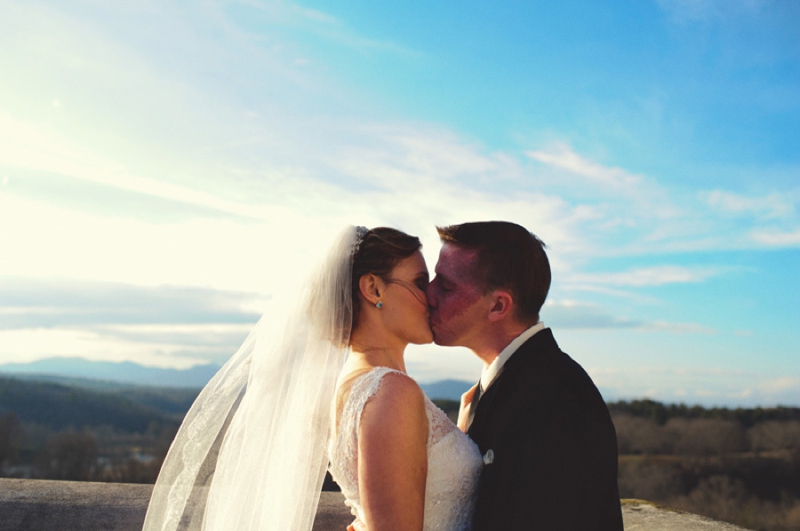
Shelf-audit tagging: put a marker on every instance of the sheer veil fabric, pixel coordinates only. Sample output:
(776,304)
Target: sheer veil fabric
(251,452)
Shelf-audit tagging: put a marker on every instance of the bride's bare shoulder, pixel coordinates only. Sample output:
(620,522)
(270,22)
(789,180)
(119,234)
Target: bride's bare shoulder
(397,396)
(398,386)
(398,399)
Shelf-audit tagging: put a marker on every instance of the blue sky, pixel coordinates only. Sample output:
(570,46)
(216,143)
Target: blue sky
(166,167)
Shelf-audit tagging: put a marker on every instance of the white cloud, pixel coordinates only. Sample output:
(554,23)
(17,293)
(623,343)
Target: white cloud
(323,25)
(274,159)
(26,345)
(771,206)
(645,276)
(404,156)
(44,241)
(572,314)
(24,146)
(563,157)
(784,383)
(430,363)
(777,238)
(715,386)
(684,11)
(679,328)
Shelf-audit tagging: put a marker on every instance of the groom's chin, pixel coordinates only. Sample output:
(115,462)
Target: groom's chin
(440,341)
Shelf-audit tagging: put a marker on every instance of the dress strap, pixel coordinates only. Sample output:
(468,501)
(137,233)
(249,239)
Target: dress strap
(363,389)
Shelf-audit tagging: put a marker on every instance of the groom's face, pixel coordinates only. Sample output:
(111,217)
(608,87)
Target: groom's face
(455,298)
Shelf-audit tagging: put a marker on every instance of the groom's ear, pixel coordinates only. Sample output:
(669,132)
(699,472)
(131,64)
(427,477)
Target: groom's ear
(371,287)
(502,305)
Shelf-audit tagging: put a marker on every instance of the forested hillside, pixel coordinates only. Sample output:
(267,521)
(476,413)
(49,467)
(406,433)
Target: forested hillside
(737,465)
(61,407)
(87,430)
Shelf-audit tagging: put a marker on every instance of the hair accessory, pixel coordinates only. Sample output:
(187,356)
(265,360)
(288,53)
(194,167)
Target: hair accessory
(379,305)
(361,233)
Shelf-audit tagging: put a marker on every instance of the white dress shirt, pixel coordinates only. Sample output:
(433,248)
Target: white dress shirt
(490,372)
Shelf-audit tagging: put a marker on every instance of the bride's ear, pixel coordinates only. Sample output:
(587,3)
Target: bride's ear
(371,288)
(502,305)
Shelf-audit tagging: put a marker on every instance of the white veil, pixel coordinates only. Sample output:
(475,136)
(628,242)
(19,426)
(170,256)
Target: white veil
(251,452)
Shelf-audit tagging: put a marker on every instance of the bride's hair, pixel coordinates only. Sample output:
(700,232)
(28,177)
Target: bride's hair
(378,253)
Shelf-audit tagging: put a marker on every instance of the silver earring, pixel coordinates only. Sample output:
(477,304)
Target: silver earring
(379,305)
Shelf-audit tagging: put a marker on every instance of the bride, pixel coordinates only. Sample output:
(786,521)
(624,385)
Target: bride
(326,386)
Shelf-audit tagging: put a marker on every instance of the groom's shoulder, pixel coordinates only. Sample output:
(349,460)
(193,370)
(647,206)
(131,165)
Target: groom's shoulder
(542,359)
(541,352)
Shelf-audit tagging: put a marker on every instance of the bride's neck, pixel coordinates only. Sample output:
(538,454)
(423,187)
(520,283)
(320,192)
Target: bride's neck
(374,350)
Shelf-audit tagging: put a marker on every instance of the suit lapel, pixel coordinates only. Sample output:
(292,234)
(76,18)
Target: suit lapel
(482,411)
(521,362)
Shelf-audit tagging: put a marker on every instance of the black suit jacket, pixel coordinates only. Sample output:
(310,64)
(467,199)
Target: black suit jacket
(555,448)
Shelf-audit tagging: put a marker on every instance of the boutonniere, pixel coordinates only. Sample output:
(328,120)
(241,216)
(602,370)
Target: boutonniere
(488,457)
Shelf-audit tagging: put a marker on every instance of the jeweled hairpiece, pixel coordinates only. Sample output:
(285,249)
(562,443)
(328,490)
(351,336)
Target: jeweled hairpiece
(361,233)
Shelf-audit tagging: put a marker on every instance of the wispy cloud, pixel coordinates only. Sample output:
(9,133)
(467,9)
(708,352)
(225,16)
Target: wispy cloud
(714,386)
(28,148)
(775,221)
(216,151)
(777,238)
(324,25)
(646,276)
(685,11)
(31,344)
(679,328)
(563,157)
(27,303)
(571,314)
(163,326)
(772,206)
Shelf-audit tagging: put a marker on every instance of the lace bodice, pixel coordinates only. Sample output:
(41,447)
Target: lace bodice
(454,462)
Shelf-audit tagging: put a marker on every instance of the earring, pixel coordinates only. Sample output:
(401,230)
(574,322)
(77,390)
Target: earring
(379,305)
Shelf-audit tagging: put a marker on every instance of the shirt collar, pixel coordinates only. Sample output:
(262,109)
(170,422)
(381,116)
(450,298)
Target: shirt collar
(491,371)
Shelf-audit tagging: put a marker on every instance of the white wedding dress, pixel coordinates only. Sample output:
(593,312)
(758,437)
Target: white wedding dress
(454,461)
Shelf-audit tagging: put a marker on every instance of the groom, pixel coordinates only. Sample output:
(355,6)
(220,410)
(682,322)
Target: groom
(545,433)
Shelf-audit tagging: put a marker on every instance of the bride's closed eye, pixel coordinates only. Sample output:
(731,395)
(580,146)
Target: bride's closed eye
(420,283)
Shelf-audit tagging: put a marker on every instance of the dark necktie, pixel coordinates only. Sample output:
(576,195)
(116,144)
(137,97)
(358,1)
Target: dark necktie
(473,406)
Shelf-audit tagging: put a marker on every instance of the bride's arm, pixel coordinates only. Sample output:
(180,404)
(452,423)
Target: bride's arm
(392,456)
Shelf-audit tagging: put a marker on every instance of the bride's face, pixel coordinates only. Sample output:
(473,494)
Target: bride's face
(405,306)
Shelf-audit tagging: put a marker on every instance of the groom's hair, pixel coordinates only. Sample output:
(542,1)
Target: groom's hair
(510,257)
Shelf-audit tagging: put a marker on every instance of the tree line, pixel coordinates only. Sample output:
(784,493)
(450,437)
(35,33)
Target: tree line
(737,465)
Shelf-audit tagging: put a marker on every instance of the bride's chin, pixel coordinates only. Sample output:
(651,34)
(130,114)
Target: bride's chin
(424,339)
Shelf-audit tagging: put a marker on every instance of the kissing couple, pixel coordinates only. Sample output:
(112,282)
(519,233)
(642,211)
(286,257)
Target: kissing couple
(327,388)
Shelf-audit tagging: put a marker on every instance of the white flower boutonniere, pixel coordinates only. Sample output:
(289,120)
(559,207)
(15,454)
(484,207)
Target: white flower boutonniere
(488,457)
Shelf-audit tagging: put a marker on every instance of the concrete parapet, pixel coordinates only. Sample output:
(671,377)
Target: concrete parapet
(641,515)
(43,505)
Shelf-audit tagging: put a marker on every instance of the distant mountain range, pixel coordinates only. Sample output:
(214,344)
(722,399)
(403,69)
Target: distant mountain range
(106,374)
(446,389)
(124,372)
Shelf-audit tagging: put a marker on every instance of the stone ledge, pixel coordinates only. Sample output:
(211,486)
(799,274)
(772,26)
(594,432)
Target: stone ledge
(642,515)
(43,505)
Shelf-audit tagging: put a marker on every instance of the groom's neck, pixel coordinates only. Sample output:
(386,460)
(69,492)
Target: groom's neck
(495,339)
